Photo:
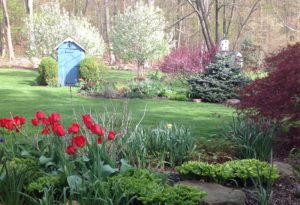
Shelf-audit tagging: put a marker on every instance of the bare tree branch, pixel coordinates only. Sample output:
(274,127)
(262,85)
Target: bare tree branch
(281,19)
(244,23)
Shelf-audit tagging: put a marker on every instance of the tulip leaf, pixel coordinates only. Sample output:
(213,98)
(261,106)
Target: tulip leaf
(74,182)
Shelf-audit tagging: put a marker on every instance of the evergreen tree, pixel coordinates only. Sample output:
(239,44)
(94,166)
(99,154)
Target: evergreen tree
(218,82)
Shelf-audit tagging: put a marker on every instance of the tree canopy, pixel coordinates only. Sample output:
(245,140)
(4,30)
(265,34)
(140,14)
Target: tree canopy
(138,34)
(52,25)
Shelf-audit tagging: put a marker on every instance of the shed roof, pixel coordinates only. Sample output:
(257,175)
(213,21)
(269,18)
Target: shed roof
(69,39)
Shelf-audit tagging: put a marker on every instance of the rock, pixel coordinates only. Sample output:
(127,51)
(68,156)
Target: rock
(218,194)
(232,102)
(284,169)
(297,190)
(72,202)
(197,100)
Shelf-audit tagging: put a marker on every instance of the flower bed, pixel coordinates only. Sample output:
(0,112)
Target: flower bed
(86,162)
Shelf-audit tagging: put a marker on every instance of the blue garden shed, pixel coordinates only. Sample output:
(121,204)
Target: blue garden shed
(69,55)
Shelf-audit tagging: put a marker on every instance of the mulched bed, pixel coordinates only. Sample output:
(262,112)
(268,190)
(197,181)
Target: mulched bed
(283,193)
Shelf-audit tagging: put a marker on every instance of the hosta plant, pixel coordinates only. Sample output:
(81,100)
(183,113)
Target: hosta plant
(240,171)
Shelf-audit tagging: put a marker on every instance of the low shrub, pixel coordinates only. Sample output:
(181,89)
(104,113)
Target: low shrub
(241,172)
(91,87)
(48,72)
(253,138)
(146,88)
(175,95)
(90,69)
(187,60)
(149,189)
(43,182)
(218,82)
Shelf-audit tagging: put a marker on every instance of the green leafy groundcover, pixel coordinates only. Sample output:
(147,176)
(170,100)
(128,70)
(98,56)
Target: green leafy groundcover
(150,189)
(240,171)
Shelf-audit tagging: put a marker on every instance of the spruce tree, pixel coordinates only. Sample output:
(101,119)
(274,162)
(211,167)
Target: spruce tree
(218,82)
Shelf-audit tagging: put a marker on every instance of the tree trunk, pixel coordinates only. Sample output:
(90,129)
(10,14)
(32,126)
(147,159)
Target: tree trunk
(226,26)
(8,31)
(217,21)
(224,20)
(201,7)
(107,30)
(2,40)
(140,69)
(29,10)
(85,6)
(178,25)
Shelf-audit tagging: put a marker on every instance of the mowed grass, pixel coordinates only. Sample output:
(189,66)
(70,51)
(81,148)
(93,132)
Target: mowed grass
(20,96)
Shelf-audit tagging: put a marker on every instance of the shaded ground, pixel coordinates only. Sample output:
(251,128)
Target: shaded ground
(284,193)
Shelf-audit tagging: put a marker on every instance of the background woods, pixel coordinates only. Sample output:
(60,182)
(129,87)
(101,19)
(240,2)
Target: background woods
(189,22)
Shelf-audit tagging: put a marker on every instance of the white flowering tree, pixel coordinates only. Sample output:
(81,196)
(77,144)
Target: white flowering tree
(138,34)
(52,25)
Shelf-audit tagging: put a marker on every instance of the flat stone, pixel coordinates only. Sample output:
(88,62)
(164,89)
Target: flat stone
(284,169)
(232,102)
(218,194)
(197,100)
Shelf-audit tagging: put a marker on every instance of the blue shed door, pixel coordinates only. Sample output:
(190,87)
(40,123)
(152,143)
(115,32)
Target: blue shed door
(69,58)
(70,67)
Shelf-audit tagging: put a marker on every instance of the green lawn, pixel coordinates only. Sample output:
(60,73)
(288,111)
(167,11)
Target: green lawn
(118,75)
(19,95)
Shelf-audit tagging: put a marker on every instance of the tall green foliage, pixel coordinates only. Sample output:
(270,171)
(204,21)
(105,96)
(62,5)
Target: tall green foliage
(218,82)
(166,144)
(253,138)
(139,35)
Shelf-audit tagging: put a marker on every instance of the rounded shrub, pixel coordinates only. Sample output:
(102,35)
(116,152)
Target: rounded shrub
(90,69)
(218,82)
(48,71)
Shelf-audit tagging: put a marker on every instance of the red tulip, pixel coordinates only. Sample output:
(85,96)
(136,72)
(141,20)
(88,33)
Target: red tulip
(111,135)
(87,120)
(45,122)
(54,117)
(74,128)
(58,129)
(79,141)
(97,129)
(40,114)
(9,124)
(99,140)
(45,131)
(86,117)
(70,150)
(2,122)
(34,121)
(19,120)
